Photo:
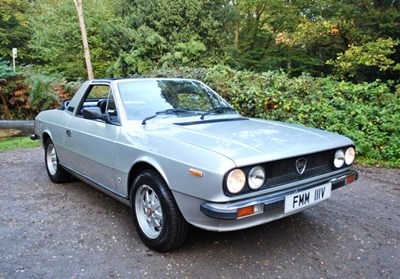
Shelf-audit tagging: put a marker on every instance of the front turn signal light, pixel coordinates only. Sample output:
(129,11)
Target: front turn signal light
(249,210)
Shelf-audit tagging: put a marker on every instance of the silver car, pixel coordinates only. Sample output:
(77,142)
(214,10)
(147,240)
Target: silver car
(178,154)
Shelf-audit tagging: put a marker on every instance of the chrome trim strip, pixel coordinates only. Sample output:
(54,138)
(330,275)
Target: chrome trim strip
(99,186)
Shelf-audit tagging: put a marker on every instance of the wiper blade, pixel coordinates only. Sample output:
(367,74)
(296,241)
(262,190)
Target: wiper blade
(217,110)
(173,110)
(167,111)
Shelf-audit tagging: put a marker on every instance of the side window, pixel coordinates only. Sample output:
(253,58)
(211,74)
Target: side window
(100,99)
(98,92)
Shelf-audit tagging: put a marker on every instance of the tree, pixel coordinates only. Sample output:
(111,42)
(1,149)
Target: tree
(128,37)
(14,28)
(57,42)
(301,36)
(172,33)
(261,36)
(373,56)
(79,9)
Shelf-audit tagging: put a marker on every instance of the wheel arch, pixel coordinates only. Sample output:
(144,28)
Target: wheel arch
(45,137)
(139,167)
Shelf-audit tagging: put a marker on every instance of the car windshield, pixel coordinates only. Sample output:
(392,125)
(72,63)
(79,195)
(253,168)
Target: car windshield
(145,98)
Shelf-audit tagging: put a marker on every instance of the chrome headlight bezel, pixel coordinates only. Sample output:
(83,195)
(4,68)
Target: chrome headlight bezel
(344,157)
(338,160)
(256,177)
(350,155)
(235,181)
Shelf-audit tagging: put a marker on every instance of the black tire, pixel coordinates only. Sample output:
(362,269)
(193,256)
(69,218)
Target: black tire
(156,215)
(55,171)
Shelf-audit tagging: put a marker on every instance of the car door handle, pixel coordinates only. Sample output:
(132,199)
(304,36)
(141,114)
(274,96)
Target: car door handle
(68,133)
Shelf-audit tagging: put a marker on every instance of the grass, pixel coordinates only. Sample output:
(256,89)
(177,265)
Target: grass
(17,143)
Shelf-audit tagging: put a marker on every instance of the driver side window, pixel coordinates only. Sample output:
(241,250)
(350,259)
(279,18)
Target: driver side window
(100,100)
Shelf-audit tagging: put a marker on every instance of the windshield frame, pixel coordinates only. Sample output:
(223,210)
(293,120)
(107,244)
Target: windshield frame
(147,97)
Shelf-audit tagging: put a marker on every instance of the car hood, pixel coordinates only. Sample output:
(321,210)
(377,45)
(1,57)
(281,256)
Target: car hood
(248,141)
(244,141)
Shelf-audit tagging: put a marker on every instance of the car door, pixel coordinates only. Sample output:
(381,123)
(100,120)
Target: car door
(91,142)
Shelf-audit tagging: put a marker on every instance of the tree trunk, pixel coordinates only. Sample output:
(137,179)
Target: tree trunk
(79,9)
(237,30)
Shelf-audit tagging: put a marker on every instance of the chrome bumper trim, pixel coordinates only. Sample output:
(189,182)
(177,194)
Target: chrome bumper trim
(228,211)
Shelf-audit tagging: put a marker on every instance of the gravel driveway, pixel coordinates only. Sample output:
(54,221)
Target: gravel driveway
(75,231)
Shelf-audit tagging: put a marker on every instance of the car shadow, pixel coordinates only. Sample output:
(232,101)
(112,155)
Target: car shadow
(305,229)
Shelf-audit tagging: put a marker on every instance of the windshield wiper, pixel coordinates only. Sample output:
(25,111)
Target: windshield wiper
(167,111)
(216,110)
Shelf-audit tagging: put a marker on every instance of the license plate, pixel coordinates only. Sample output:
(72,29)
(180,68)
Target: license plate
(307,197)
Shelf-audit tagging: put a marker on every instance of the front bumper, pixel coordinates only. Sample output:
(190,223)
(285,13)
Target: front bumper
(34,137)
(229,211)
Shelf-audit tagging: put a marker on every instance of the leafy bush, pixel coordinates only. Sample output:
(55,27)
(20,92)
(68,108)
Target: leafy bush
(12,93)
(6,71)
(23,94)
(46,92)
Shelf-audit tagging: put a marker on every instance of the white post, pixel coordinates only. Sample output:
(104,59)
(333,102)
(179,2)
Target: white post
(14,55)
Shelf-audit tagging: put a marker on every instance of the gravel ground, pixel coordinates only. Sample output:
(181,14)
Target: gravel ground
(75,231)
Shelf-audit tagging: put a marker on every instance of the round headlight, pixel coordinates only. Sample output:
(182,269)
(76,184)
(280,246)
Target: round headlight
(256,177)
(235,181)
(349,156)
(339,159)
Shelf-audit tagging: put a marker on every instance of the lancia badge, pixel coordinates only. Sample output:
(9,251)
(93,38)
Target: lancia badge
(301,165)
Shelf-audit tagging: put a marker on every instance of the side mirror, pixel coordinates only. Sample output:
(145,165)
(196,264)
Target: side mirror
(64,104)
(95,113)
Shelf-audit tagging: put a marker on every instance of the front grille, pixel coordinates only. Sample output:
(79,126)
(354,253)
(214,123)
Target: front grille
(284,171)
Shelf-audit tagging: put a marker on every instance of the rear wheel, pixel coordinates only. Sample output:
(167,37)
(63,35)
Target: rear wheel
(157,218)
(56,172)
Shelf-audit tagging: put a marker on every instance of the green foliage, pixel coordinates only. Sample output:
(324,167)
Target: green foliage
(14,28)
(262,37)
(375,54)
(300,36)
(42,91)
(173,33)
(6,71)
(127,37)
(47,92)
(57,41)
(25,94)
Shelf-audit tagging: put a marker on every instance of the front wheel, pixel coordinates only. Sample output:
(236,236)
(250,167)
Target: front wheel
(157,218)
(56,172)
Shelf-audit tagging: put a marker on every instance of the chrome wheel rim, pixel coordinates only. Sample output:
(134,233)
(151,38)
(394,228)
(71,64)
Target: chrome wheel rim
(51,159)
(148,211)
